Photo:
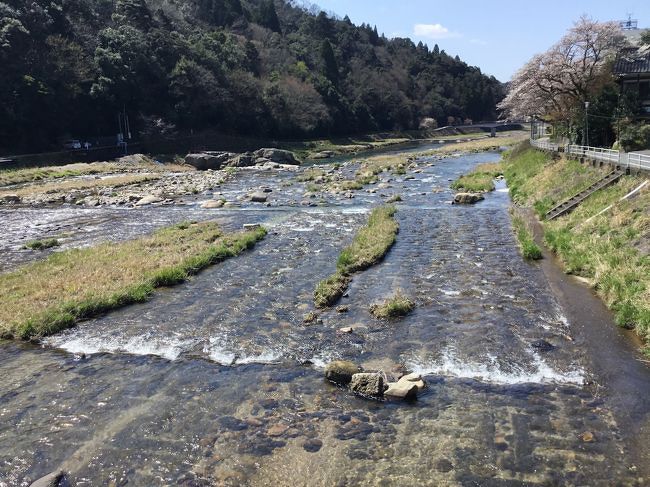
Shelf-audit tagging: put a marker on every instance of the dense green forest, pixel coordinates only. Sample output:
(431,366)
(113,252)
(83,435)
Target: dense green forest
(254,67)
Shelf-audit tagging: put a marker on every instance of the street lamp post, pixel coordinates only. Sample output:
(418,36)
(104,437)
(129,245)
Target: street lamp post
(585,136)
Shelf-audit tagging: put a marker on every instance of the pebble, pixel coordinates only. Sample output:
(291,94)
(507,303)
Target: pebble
(277,430)
(312,445)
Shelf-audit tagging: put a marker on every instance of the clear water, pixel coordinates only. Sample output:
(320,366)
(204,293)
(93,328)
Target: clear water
(219,381)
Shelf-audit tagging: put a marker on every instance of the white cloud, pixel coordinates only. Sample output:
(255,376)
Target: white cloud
(434,31)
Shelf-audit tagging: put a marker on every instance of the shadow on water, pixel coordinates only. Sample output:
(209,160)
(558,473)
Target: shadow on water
(219,381)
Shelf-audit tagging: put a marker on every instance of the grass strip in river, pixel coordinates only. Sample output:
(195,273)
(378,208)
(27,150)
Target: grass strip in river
(45,297)
(371,243)
(480,179)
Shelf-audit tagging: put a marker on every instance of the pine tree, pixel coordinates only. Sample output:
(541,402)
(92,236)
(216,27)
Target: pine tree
(268,16)
(331,70)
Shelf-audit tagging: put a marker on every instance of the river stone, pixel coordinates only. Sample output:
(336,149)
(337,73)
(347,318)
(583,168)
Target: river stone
(341,371)
(312,445)
(542,346)
(278,155)
(368,384)
(210,204)
(50,480)
(11,198)
(208,160)
(241,160)
(277,430)
(149,200)
(259,197)
(413,379)
(467,198)
(402,390)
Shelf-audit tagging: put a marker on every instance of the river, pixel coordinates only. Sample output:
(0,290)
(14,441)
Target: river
(219,381)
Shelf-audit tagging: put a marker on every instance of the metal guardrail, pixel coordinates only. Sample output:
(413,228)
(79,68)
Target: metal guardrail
(596,153)
(630,160)
(545,145)
(637,160)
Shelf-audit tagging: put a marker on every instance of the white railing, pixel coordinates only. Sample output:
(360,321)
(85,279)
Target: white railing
(632,160)
(596,153)
(636,160)
(545,145)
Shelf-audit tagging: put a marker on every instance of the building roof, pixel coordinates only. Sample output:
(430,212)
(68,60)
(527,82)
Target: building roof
(633,60)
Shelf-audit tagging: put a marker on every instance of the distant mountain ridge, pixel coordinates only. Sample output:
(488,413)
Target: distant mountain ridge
(249,67)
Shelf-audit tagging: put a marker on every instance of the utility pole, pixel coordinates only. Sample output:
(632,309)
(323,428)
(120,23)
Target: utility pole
(124,130)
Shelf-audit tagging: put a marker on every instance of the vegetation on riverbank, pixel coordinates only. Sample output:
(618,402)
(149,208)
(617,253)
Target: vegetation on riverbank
(371,243)
(611,249)
(529,249)
(42,244)
(480,179)
(345,145)
(395,306)
(48,296)
(80,184)
(478,145)
(38,174)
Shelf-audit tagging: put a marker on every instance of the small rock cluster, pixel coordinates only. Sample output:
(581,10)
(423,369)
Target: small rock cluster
(372,384)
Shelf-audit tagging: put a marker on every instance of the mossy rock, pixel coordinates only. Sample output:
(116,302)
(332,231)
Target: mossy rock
(341,371)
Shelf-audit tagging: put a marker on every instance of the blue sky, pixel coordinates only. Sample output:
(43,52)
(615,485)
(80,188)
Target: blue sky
(498,36)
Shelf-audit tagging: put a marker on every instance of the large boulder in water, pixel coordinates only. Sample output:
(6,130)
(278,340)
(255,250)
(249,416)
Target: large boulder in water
(208,160)
(368,384)
(241,160)
(467,198)
(341,371)
(51,480)
(277,155)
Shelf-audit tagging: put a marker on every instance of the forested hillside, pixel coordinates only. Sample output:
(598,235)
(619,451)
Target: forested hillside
(254,67)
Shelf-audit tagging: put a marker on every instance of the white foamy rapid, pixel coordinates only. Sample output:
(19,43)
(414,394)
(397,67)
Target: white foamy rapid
(168,347)
(538,372)
(227,355)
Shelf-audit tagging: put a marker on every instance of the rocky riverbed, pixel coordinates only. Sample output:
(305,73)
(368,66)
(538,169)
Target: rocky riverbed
(222,381)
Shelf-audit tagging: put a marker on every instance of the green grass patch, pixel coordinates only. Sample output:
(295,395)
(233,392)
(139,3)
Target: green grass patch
(42,244)
(396,306)
(610,249)
(529,249)
(480,180)
(371,243)
(330,290)
(48,296)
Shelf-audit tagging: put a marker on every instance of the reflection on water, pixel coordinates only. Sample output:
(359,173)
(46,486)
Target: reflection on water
(219,381)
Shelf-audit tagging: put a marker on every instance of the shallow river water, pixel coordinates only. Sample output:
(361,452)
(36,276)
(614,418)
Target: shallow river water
(219,381)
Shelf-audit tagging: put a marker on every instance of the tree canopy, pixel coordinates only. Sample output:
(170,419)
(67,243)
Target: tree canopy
(557,83)
(259,67)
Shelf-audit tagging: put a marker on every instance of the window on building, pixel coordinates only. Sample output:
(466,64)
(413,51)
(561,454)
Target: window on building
(644,90)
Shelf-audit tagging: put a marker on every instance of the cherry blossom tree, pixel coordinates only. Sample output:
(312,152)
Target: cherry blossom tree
(555,84)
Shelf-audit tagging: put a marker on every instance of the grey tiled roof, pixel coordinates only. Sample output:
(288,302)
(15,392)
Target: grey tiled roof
(633,61)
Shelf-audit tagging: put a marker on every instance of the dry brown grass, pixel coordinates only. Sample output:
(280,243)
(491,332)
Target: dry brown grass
(479,145)
(46,296)
(138,164)
(81,184)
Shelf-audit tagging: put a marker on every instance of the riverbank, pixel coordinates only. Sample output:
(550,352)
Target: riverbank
(604,241)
